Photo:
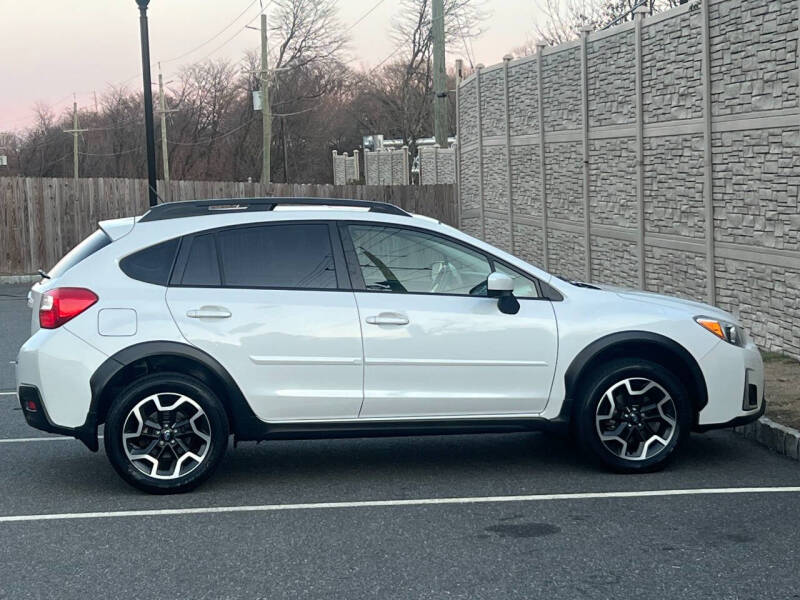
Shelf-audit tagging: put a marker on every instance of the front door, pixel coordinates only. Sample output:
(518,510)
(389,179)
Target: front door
(434,344)
(265,302)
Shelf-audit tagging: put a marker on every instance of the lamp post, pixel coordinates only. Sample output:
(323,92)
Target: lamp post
(148,103)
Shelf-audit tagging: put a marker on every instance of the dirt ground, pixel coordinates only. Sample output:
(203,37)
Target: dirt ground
(782,389)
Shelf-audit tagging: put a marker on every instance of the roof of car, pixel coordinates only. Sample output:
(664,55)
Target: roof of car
(196,208)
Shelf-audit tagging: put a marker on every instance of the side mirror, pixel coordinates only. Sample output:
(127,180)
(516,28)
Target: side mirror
(501,286)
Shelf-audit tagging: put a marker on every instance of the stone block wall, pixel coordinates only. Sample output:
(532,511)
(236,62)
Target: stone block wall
(386,167)
(437,165)
(662,154)
(346,169)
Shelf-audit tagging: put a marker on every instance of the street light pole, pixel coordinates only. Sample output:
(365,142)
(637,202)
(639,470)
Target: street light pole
(148,103)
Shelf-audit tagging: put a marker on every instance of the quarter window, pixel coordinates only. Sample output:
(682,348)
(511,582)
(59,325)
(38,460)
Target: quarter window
(292,255)
(393,259)
(151,265)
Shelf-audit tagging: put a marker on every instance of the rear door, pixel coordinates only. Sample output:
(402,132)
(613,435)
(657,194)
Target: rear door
(269,303)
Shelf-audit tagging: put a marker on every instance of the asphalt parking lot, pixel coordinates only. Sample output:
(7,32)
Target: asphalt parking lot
(515,516)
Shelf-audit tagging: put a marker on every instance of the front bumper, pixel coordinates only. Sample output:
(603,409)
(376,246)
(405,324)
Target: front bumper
(735,382)
(736,421)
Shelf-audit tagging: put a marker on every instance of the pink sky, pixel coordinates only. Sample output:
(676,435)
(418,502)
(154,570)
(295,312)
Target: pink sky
(52,48)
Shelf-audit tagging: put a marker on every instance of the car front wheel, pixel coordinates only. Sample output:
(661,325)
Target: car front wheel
(166,433)
(633,415)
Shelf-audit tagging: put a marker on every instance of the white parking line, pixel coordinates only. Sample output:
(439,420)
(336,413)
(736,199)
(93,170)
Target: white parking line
(392,503)
(34,439)
(39,439)
(8,393)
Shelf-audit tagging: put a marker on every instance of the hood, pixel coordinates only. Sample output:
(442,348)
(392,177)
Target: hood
(688,306)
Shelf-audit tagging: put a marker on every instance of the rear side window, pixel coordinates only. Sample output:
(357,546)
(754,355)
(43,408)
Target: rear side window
(86,248)
(151,265)
(291,255)
(202,267)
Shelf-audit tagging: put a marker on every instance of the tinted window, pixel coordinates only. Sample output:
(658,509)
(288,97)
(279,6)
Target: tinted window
(202,267)
(151,265)
(86,248)
(393,259)
(278,256)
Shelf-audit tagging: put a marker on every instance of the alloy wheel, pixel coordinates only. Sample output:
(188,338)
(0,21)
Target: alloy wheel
(166,435)
(636,419)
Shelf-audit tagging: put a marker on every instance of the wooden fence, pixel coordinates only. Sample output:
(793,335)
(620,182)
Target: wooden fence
(42,218)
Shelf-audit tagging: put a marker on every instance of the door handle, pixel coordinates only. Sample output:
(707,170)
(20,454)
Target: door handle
(209,312)
(388,318)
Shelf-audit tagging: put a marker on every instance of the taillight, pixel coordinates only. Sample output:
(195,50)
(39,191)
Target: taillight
(62,304)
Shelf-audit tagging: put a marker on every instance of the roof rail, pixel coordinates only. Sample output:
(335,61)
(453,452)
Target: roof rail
(197,208)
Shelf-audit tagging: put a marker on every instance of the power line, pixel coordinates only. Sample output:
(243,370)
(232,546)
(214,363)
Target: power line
(380,64)
(213,138)
(212,38)
(364,16)
(231,38)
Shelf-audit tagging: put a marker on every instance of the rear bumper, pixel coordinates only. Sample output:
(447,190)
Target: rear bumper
(54,368)
(39,419)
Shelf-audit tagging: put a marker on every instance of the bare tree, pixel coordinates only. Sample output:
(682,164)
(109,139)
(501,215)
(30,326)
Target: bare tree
(564,19)
(396,99)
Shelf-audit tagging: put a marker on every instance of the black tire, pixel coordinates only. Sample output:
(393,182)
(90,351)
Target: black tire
(168,387)
(590,419)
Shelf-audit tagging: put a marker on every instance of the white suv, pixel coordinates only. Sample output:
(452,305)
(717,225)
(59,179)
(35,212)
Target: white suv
(300,318)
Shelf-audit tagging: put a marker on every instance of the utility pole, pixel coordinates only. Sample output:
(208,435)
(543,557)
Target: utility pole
(266,116)
(148,102)
(75,132)
(440,126)
(162,109)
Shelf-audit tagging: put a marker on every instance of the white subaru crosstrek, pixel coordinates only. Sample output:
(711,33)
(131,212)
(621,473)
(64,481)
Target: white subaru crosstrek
(298,318)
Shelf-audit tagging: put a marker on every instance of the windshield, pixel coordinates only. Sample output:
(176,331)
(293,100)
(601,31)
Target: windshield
(86,248)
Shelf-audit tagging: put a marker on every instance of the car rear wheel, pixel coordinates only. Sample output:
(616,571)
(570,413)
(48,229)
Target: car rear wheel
(633,415)
(166,433)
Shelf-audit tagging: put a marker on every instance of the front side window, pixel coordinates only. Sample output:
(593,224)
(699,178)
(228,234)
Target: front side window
(291,255)
(393,259)
(523,287)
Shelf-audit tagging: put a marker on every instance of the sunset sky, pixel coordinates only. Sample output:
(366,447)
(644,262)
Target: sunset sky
(50,49)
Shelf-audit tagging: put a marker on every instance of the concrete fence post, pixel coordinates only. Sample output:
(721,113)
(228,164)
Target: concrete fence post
(436,163)
(478,69)
(333,166)
(639,17)
(708,160)
(406,174)
(509,185)
(542,148)
(356,167)
(457,150)
(587,219)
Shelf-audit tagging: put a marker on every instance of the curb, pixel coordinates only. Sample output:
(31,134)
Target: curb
(778,438)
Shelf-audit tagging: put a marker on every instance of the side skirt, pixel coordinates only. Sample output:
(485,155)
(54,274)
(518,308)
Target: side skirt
(355,429)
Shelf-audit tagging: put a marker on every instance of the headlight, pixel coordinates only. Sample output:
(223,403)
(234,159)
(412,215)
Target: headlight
(733,334)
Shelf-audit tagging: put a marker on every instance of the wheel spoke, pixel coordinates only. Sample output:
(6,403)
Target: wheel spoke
(151,428)
(639,405)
